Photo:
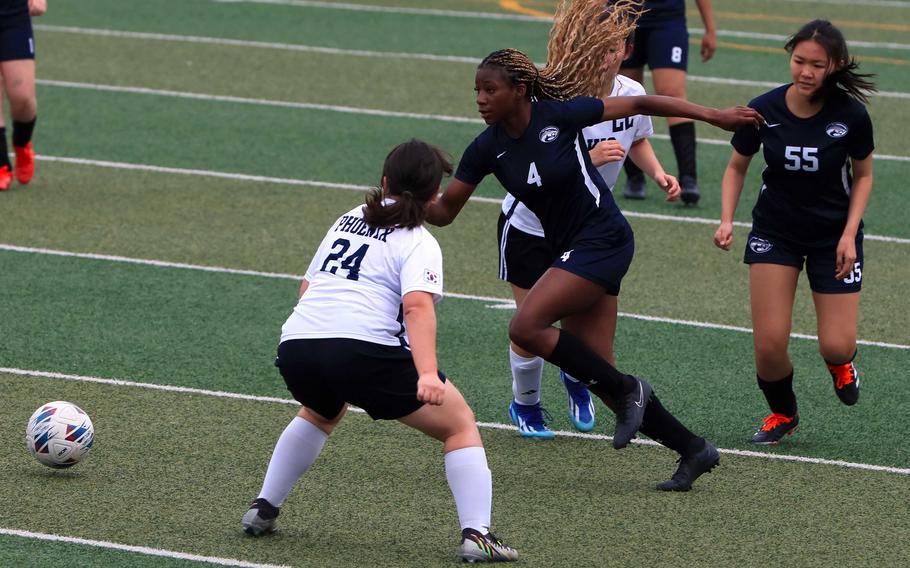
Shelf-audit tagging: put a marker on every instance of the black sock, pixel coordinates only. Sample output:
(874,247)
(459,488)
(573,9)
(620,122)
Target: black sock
(632,171)
(663,427)
(22,132)
(577,359)
(682,136)
(4,150)
(779,394)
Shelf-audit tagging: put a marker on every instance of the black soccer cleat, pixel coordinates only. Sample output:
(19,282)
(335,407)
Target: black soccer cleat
(846,382)
(775,427)
(477,547)
(635,187)
(260,520)
(630,411)
(689,194)
(692,467)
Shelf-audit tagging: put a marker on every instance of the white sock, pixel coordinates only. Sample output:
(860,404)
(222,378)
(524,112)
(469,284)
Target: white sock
(570,377)
(472,486)
(296,450)
(527,374)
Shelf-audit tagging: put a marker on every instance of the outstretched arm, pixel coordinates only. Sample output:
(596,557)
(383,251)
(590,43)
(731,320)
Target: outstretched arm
(446,207)
(657,105)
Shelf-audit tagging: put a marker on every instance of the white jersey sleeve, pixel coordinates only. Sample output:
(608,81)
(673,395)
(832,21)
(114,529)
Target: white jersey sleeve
(421,269)
(624,130)
(357,280)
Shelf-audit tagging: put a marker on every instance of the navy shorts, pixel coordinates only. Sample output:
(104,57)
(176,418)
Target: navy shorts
(324,374)
(819,260)
(661,47)
(523,258)
(602,262)
(17,40)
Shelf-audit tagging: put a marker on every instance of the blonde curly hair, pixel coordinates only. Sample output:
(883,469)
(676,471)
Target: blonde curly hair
(582,32)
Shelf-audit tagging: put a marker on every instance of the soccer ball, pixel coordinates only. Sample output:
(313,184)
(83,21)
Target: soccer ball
(59,434)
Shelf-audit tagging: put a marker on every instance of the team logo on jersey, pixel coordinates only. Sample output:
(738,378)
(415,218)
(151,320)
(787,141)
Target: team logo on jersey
(759,246)
(836,130)
(549,134)
(431,276)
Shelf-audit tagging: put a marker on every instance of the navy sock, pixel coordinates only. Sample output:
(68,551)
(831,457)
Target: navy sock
(683,138)
(779,394)
(577,359)
(663,427)
(632,171)
(4,150)
(22,132)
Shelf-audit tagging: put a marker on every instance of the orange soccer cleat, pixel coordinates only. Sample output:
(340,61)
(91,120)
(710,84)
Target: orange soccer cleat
(25,163)
(6,178)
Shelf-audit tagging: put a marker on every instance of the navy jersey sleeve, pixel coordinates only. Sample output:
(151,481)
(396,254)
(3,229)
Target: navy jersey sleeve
(861,144)
(746,140)
(581,112)
(472,168)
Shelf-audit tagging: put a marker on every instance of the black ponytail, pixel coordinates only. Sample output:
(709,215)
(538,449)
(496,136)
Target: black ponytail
(845,79)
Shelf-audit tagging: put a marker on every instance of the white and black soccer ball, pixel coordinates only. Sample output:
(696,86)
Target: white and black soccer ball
(59,434)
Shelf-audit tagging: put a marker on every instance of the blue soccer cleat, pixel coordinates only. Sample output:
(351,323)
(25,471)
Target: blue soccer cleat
(581,407)
(530,421)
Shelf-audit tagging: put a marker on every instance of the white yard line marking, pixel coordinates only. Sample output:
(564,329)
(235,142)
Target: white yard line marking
(487,425)
(356,187)
(394,10)
(364,53)
(329,108)
(497,303)
(138,549)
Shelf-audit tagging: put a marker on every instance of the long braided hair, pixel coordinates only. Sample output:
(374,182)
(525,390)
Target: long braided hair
(582,32)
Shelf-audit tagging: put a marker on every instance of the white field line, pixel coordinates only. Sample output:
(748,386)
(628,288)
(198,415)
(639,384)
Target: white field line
(496,303)
(486,425)
(499,16)
(364,53)
(783,39)
(329,108)
(394,10)
(363,188)
(137,549)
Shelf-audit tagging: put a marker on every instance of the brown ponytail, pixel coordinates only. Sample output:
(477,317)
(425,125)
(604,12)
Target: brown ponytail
(412,172)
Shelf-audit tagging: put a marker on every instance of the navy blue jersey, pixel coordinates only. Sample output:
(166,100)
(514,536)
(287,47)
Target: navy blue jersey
(13,10)
(806,185)
(548,169)
(662,11)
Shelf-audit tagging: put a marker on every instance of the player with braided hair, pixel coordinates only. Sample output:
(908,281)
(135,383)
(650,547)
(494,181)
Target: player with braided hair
(524,254)
(533,145)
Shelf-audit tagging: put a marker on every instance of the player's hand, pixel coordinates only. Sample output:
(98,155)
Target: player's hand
(607,151)
(37,7)
(430,389)
(723,236)
(846,257)
(734,117)
(670,185)
(708,45)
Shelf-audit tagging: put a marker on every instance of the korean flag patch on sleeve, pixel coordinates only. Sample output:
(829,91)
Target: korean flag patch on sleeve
(431,276)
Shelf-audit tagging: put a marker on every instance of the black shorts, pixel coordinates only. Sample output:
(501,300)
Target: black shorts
(820,261)
(666,45)
(17,40)
(324,374)
(605,263)
(523,258)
